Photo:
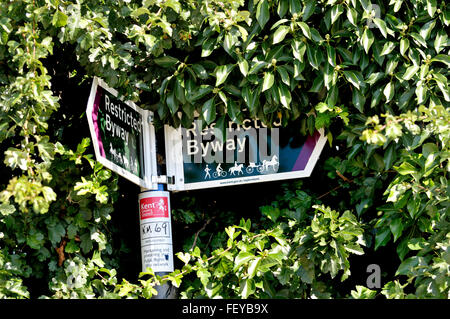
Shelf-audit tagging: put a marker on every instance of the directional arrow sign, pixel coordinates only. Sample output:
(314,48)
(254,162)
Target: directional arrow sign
(123,137)
(204,157)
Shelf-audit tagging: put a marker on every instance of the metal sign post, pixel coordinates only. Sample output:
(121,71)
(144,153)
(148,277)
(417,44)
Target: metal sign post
(124,141)
(156,236)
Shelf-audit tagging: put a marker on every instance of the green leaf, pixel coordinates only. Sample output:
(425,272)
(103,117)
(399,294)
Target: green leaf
(431,7)
(7,209)
(396,227)
(253,267)
(404,45)
(352,16)
(389,91)
(382,237)
(283,7)
(387,48)
(268,81)
(418,39)
(243,66)
(441,82)
(208,46)
(295,6)
(280,34)
(308,9)
(442,58)
(381,26)
(405,168)
(352,77)
(200,71)
(305,29)
(284,75)
(243,258)
(262,13)
(59,19)
(166,61)
(407,265)
(172,102)
(410,72)
(426,29)
(209,111)
(247,287)
(331,53)
(367,40)
(358,100)
(285,95)
(336,11)
(233,110)
(441,41)
(222,73)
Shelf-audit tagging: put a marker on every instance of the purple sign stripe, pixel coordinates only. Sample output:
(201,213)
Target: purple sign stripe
(306,152)
(98,96)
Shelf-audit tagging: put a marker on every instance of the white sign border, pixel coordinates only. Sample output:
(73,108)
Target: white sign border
(149,147)
(174,165)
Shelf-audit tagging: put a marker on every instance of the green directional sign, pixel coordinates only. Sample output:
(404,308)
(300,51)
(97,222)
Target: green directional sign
(203,156)
(123,137)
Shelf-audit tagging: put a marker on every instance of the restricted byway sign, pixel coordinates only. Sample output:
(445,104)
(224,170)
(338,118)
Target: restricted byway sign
(123,137)
(204,157)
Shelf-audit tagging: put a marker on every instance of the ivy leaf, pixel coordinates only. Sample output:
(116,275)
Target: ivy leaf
(407,265)
(243,258)
(59,19)
(382,237)
(247,287)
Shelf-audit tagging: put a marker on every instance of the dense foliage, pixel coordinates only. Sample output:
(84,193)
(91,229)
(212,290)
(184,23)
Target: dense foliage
(374,75)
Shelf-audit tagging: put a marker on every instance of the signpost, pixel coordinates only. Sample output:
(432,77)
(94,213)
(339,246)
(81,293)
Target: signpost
(200,157)
(248,153)
(123,139)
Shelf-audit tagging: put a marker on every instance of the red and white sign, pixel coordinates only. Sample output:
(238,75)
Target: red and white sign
(152,207)
(156,231)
